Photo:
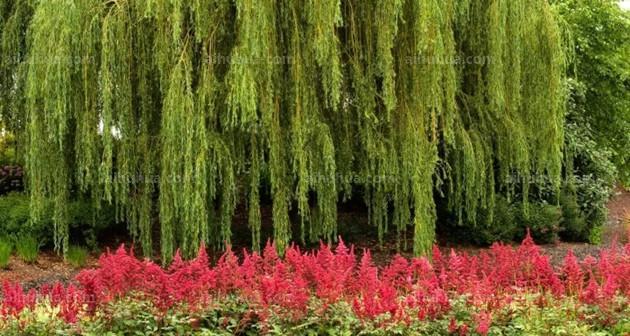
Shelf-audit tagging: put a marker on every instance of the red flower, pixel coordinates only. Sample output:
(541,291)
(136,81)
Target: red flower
(483,321)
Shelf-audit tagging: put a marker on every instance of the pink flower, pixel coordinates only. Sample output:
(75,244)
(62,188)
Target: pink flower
(483,321)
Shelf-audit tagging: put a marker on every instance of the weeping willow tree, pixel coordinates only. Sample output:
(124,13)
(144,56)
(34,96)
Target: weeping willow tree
(181,110)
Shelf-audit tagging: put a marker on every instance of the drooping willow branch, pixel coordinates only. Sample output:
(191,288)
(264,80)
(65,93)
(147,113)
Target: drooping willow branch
(179,110)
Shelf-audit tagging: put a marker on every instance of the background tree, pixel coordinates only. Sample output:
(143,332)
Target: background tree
(600,72)
(598,119)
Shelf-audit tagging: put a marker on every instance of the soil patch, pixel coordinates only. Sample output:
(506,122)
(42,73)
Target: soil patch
(49,268)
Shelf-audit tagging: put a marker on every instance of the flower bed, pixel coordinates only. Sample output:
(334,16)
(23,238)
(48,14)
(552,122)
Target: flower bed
(503,290)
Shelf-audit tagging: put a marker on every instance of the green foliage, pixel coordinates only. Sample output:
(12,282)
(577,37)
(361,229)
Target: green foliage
(590,179)
(41,321)
(76,256)
(86,221)
(498,224)
(14,218)
(231,317)
(11,174)
(595,235)
(601,68)
(15,17)
(27,247)
(550,321)
(6,248)
(543,221)
(8,146)
(573,221)
(219,101)
(597,128)
(135,317)
(509,221)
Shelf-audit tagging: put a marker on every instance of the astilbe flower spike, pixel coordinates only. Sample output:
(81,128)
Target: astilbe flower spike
(404,289)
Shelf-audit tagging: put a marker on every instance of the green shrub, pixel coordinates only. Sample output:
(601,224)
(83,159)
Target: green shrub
(500,225)
(573,220)
(542,219)
(593,194)
(590,180)
(6,247)
(509,222)
(86,222)
(14,219)
(8,146)
(27,248)
(595,235)
(76,256)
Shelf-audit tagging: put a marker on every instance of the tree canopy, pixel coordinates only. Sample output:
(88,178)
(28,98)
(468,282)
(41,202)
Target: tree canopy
(600,74)
(179,110)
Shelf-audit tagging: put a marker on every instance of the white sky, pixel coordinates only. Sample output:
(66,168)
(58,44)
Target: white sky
(625,4)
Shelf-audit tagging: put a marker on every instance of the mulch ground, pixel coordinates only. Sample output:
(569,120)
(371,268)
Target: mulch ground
(50,267)
(618,218)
